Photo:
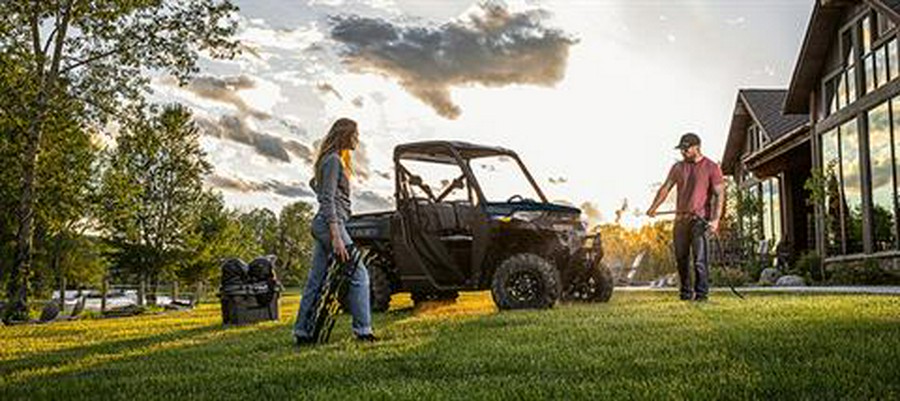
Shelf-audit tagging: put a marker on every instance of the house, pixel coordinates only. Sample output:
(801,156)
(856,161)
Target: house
(768,154)
(845,82)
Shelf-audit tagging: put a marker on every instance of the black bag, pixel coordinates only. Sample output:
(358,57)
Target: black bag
(234,272)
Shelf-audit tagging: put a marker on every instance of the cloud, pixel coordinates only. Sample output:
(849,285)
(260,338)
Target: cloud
(736,21)
(224,90)
(492,48)
(361,162)
(371,201)
(592,212)
(235,129)
(328,88)
(289,190)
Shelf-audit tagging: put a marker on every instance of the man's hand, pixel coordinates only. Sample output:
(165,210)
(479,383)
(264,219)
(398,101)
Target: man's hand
(714,226)
(651,212)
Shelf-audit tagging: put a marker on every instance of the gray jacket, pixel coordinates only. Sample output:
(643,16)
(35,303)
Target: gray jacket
(333,190)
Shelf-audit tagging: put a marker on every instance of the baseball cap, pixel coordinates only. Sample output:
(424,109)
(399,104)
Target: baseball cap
(688,140)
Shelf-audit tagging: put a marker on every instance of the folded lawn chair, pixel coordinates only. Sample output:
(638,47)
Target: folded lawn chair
(334,291)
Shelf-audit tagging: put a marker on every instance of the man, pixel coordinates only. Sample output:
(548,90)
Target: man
(699,204)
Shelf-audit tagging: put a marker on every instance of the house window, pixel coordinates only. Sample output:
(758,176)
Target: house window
(893,63)
(882,167)
(831,168)
(852,183)
(840,156)
(872,38)
(771,211)
(755,138)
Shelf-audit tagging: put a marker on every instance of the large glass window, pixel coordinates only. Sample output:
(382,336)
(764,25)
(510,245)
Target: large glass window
(765,222)
(852,183)
(893,64)
(869,55)
(843,187)
(883,211)
(776,210)
(831,168)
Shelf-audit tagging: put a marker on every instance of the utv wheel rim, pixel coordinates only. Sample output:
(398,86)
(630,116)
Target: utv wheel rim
(524,286)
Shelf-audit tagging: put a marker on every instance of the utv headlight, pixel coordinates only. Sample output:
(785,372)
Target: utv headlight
(522,215)
(527,215)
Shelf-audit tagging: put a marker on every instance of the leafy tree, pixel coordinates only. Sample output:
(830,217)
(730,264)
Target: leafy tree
(152,191)
(63,193)
(215,235)
(294,250)
(91,55)
(260,228)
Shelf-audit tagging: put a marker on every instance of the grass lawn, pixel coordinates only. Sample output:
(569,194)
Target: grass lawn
(640,345)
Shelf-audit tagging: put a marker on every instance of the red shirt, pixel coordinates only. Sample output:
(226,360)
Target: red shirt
(695,181)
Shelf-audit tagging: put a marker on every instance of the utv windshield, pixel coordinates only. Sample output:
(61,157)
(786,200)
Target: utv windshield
(502,180)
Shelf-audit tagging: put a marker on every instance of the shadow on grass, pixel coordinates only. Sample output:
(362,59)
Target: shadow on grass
(643,350)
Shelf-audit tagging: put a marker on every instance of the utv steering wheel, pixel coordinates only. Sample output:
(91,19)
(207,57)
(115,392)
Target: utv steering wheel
(514,197)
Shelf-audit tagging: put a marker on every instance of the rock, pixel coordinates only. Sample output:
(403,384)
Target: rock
(769,276)
(790,281)
(672,280)
(50,312)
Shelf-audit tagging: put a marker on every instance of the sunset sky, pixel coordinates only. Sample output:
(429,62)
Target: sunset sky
(592,94)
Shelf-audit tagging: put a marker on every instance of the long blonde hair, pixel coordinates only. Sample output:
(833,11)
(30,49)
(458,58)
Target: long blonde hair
(339,140)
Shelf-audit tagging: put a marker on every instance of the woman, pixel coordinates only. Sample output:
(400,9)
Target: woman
(331,183)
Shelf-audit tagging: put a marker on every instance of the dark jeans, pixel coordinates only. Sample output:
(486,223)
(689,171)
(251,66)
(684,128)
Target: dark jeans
(692,248)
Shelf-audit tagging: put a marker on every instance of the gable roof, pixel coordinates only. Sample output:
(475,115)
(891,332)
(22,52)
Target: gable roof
(820,35)
(762,106)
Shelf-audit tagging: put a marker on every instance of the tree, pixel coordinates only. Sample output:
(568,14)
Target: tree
(215,236)
(295,242)
(260,228)
(91,54)
(63,191)
(152,191)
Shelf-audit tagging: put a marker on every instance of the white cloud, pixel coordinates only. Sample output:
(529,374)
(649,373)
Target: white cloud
(736,21)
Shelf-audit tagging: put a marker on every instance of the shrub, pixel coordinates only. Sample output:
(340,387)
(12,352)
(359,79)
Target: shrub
(729,276)
(868,272)
(808,266)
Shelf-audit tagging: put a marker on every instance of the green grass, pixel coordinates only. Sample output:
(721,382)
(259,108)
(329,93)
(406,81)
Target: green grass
(639,346)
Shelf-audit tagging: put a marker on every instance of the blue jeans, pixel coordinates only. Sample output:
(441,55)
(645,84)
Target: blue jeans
(358,296)
(692,250)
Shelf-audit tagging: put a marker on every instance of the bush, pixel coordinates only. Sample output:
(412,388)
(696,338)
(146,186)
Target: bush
(868,272)
(728,276)
(752,268)
(808,266)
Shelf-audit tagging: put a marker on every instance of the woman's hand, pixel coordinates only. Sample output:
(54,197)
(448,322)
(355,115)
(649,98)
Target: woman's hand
(337,243)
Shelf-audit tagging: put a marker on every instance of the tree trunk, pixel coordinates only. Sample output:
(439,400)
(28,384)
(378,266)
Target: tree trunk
(142,289)
(151,296)
(198,293)
(62,293)
(59,273)
(17,287)
(175,291)
(104,289)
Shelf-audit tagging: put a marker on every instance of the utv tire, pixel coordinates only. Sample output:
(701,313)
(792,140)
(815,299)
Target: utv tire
(421,296)
(525,281)
(596,285)
(380,288)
